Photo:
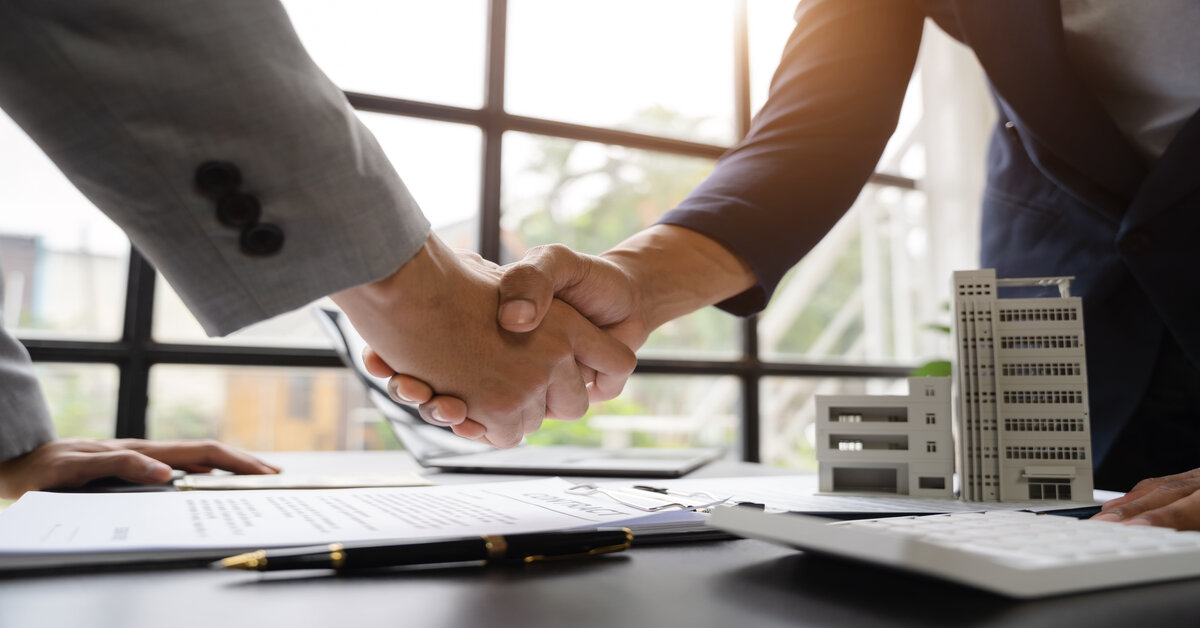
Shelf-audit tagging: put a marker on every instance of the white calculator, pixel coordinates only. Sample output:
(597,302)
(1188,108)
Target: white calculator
(1014,553)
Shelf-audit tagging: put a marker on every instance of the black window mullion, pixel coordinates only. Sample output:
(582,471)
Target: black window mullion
(493,132)
(135,335)
(751,408)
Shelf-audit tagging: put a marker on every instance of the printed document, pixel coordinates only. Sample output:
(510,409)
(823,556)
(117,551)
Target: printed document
(56,529)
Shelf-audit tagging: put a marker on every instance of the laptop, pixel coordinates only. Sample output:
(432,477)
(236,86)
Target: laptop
(438,447)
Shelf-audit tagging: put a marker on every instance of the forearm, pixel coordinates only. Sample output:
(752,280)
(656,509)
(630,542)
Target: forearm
(833,104)
(130,98)
(24,418)
(677,271)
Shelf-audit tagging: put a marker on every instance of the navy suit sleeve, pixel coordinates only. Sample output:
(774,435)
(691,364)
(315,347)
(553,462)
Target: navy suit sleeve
(834,102)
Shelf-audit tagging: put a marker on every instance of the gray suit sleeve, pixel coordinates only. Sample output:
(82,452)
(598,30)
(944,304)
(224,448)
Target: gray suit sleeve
(129,98)
(24,419)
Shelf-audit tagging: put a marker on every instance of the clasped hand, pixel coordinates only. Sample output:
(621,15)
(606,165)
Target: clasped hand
(437,316)
(656,275)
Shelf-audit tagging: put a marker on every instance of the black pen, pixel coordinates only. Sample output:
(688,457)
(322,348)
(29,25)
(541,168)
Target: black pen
(518,548)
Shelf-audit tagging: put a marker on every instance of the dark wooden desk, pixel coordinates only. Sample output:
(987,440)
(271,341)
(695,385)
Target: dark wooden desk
(744,584)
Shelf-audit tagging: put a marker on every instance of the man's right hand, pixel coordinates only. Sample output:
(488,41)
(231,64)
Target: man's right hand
(436,317)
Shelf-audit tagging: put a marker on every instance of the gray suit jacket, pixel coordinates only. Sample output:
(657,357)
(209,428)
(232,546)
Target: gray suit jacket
(130,98)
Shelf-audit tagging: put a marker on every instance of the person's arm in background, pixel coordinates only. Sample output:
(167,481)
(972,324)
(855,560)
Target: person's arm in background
(32,458)
(834,102)
(135,101)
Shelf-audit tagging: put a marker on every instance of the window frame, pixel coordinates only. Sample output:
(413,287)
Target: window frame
(136,352)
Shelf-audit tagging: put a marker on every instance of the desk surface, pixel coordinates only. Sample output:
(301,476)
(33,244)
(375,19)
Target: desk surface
(730,583)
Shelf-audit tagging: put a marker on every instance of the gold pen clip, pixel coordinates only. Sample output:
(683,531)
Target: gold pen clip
(595,551)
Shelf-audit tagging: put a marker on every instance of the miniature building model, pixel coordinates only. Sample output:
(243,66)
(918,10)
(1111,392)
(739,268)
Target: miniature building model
(888,443)
(1023,423)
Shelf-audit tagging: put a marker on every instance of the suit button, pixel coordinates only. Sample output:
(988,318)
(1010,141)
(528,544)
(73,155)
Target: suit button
(262,240)
(1135,241)
(216,179)
(238,210)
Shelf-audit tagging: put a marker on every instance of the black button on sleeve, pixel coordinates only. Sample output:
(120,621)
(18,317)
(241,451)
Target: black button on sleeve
(238,210)
(217,179)
(262,240)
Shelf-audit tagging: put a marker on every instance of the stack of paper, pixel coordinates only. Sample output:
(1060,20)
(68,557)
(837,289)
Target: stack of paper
(45,530)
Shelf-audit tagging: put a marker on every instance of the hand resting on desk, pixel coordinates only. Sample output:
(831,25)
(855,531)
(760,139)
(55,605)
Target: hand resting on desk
(1172,501)
(70,462)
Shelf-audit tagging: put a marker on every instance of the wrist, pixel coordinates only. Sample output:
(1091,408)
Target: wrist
(411,287)
(676,271)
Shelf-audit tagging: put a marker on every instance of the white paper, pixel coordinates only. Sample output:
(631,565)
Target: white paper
(82,528)
(228,482)
(799,493)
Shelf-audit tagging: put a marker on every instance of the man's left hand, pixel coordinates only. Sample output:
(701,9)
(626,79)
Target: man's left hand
(1171,501)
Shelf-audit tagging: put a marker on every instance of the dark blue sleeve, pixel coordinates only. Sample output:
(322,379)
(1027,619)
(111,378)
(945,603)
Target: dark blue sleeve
(834,102)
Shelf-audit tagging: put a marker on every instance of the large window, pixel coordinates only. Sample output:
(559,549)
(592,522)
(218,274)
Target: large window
(514,123)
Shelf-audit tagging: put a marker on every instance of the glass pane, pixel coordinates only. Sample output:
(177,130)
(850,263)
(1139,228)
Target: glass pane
(789,409)
(869,292)
(173,322)
(770,24)
(82,398)
(65,263)
(662,67)
(432,51)
(440,165)
(265,409)
(591,196)
(656,411)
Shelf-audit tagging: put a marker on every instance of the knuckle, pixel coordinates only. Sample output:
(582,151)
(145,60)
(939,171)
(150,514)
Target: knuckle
(1146,484)
(508,441)
(533,426)
(1175,486)
(627,362)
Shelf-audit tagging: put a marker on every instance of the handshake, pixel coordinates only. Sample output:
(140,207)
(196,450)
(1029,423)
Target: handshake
(493,351)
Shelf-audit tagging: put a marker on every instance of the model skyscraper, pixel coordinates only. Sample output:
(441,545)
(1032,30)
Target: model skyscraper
(1023,424)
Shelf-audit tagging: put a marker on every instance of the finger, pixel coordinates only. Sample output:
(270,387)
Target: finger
(1182,514)
(1139,490)
(588,374)
(1166,491)
(445,409)
(469,428)
(408,389)
(77,468)
(612,361)
(503,419)
(566,396)
(375,364)
(533,425)
(206,453)
(528,286)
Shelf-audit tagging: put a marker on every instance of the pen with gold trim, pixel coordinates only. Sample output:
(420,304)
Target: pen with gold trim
(518,548)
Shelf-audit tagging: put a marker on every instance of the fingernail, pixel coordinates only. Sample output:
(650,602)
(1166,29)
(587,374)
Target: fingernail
(517,312)
(396,395)
(436,413)
(1107,516)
